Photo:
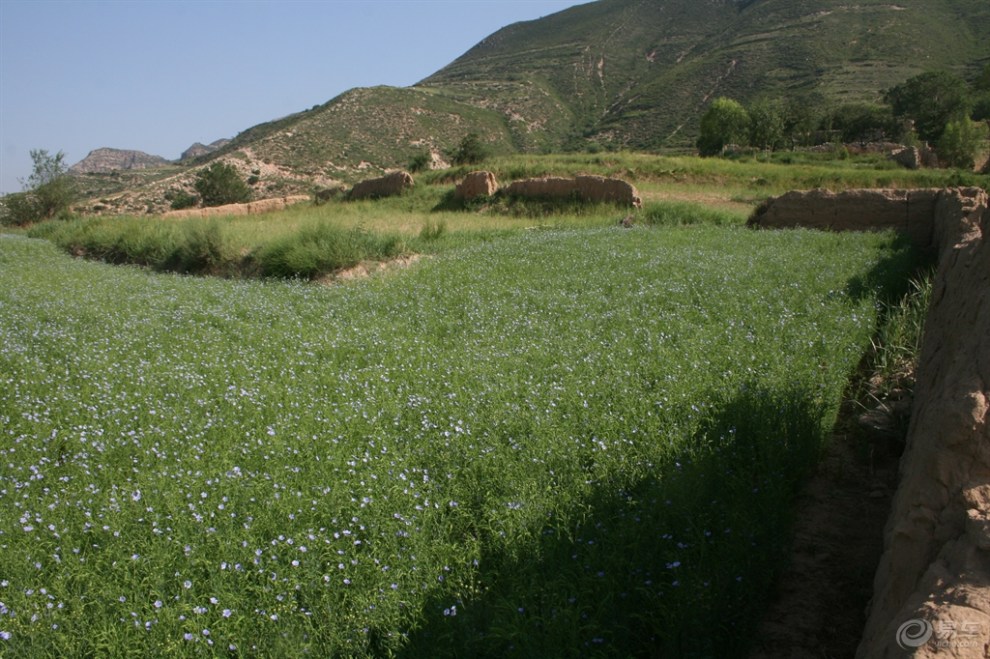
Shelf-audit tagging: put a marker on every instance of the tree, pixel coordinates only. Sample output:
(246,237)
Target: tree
(931,100)
(863,122)
(766,129)
(725,122)
(47,193)
(470,151)
(220,184)
(959,143)
(801,119)
(982,83)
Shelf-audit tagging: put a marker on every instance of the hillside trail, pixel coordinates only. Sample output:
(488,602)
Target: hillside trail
(820,605)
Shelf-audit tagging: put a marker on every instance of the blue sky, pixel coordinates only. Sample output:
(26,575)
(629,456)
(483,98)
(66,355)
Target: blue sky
(158,75)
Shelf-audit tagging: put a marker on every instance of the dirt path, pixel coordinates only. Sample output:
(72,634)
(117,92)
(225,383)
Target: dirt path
(819,609)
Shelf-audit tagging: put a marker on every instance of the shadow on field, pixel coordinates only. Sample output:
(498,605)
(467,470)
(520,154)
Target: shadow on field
(891,275)
(677,564)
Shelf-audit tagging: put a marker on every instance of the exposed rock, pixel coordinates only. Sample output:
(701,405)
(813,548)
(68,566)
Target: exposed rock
(387,186)
(198,149)
(475,185)
(583,188)
(103,161)
(250,208)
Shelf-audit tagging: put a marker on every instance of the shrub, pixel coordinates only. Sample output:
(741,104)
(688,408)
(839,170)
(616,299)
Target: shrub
(181,199)
(220,184)
(470,151)
(48,192)
(203,248)
(420,162)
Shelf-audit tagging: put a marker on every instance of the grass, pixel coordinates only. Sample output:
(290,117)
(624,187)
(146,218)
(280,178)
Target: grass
(896,348)
(309,250)
(571,441)
(676,190)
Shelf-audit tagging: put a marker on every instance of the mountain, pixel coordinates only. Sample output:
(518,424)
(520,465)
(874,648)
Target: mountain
(631,73)
(103,161)
(639,73)
(198,149)
(620,74)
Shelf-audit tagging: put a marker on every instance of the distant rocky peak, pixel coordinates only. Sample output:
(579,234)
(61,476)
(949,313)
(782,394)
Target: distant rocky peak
(198,149)
(101,161)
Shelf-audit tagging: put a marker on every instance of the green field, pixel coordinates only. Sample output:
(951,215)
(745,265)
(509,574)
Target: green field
(573,439)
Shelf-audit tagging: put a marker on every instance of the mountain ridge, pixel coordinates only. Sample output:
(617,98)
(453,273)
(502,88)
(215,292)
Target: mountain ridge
(623,74)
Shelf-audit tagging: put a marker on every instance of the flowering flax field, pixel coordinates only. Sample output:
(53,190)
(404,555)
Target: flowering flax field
(560,443)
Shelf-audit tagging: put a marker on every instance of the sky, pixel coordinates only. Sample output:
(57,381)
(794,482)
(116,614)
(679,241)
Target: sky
(158,75)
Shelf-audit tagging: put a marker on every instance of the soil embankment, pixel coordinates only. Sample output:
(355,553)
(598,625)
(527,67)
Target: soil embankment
(931,590)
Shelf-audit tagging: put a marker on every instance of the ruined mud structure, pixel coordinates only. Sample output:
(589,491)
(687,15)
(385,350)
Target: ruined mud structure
(386,186)
(583,188)
(931,594)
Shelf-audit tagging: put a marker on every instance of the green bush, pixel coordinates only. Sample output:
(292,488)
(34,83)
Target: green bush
(181,199)
(420,162)
(48,192)
(220,184)
(725,122)
(470,151)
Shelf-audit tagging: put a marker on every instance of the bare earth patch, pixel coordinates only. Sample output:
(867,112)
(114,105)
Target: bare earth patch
(368,268)
(819,609)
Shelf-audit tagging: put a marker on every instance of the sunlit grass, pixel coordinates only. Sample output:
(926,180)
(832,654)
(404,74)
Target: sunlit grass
(564,442)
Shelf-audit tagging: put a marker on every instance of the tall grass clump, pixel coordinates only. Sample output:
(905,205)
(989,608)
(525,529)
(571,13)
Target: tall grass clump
(210,247)
(559,443)
(894,351)
(319,249)
(680,213)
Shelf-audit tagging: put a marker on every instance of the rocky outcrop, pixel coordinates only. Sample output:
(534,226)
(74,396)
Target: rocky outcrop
(250,208)
(387,186)
(104,161)
(198,149)
(932,588)
(582,188)
(476,185)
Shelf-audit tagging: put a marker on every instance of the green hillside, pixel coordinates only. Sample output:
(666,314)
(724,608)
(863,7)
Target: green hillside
(634,74)
(640,72)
